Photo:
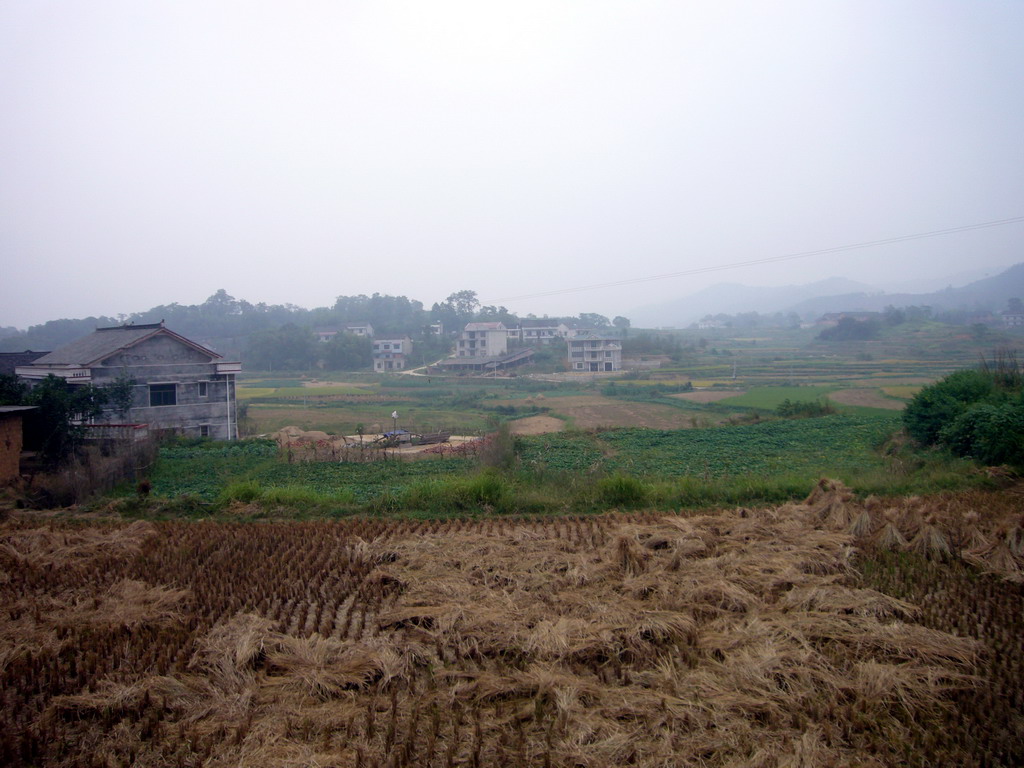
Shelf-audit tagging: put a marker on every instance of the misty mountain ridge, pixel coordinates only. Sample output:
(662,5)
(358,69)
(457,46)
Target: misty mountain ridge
(733,298)
(832,295)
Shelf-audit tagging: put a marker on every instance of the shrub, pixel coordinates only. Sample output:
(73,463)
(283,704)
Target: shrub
(993,434)
(941,403)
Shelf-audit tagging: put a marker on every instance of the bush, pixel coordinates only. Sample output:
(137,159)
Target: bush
(979,414)
(993,434)
(938,405)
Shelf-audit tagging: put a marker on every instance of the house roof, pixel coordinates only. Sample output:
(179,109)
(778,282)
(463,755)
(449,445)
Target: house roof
(11,360)
(590,336)
(486,327)
(103,342)
(6,409)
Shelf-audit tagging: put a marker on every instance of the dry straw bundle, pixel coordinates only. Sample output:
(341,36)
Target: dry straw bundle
(723,639)
(738,638)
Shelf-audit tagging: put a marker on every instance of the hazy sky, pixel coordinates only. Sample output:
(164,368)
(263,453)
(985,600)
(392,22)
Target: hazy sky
(152,152)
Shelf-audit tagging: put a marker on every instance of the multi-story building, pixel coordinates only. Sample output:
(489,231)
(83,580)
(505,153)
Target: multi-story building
(482,340)
(391,354)
(594,352)
(177,384)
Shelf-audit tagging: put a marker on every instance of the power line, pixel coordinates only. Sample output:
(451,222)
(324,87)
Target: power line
(765,260)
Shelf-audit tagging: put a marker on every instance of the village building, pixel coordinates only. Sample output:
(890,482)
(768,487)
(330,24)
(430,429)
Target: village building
(482,340)
(178,384)
(391,354)
(595,352)
(324,335)
(543,332)
(9,361)
(364,330)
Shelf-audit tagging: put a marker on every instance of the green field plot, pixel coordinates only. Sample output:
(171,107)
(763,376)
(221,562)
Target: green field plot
(343,418)
(813,447)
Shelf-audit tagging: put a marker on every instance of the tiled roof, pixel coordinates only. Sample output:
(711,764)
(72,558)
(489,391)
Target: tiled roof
(11,360)
(486,327)
(104,342)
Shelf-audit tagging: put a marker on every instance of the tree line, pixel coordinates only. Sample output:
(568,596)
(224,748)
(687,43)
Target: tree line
(281,336)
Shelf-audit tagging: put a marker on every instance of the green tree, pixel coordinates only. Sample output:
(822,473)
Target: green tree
(594,320)
(62,410)
(850,329)
(12,390)
(121,394)
(346,352)
(622,323)
(288,348)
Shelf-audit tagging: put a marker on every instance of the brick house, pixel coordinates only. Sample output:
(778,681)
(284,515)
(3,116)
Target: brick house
(179,384)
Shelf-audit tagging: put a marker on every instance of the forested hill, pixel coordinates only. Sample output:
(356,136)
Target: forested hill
(235,327)
(227,322)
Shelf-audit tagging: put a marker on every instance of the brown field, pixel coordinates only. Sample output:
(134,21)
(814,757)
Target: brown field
(595,411)
(724,639)
(709,395)
(870,397)
(536,425)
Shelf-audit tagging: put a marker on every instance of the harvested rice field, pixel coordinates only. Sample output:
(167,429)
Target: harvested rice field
(867,396)
(827,633)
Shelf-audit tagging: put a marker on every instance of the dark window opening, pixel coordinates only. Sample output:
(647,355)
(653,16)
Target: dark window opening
(163,394)
(204,430)
(203,389)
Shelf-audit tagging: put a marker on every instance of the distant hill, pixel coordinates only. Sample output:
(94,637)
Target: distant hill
(733,298)
(832,295)
(987,295)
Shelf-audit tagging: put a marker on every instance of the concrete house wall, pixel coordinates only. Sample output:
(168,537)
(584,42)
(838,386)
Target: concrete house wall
(592,353)
(204,401)
(391,354)
(179,384)
(483,340)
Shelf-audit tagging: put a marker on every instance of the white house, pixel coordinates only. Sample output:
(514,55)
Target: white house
(594,352)
(482,340)
(360,329)
(391,354)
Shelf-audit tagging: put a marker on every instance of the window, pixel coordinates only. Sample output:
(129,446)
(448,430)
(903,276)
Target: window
(163,394)
(204,389)
(204,430)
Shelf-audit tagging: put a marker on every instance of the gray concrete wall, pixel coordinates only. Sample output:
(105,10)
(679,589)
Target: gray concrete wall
(164,360)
